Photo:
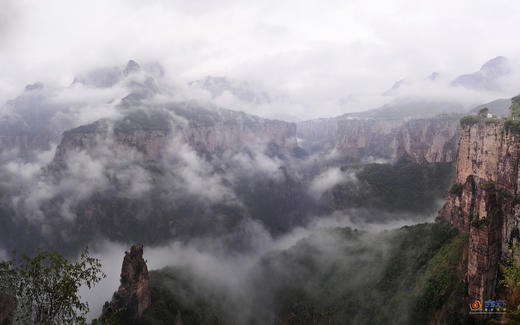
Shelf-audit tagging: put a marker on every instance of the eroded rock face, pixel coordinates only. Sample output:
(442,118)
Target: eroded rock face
(482,203)
(133,296)
(428,140)
(206,131)
(363,138)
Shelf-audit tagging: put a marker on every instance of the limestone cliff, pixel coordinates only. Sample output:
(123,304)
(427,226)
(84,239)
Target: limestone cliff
(206,130)
(364,138)
(317,135)
(484,200)
(428,140)
(133,296)
(425,140)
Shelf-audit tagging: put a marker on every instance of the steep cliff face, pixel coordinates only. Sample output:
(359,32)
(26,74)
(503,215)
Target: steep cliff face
(207,131)
(177,165)
(133,297)
(429,140)
(317,135)
(483,202)
(363,138)
(426,140)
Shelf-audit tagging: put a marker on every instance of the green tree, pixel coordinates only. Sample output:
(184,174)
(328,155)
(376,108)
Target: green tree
(483,112)
(46,286)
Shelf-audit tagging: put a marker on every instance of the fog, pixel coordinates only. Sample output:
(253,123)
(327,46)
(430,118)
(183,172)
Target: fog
(98,149)
(340,56)
(328,179)
(213,214)
(212,267)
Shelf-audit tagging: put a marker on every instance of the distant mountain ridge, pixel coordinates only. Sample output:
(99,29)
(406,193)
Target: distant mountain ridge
(217,86)
(488,77)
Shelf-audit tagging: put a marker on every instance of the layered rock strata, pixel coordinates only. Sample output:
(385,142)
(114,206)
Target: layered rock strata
(484,201)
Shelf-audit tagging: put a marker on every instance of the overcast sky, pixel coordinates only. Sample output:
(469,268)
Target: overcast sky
(316,51)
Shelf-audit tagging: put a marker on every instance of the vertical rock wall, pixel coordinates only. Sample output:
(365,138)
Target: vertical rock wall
(484,200)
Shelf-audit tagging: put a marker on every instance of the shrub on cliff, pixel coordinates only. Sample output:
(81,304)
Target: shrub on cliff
(515,106)
(470,120)
(488,185)
(511,281)
(456,189)
(512,125)
(492,120)
(477,221)
(483,112)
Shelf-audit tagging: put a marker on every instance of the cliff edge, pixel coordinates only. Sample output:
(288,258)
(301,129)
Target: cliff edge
(133,296)
(484,200)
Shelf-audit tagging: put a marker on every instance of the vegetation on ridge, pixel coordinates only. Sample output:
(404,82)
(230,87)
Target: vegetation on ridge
(404,186)
(410,275)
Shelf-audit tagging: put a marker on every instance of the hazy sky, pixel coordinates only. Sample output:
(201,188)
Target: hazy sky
(316,51)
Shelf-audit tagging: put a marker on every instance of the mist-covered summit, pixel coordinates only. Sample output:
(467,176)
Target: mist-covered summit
(127,148)
(105,77)
(218,86)
(488,77)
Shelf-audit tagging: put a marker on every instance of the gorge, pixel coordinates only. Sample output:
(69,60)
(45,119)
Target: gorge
(260,198)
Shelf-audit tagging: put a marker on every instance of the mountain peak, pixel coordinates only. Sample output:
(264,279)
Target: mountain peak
(398,84)
(131,67)
(497,66)
(487,77)
(498,61)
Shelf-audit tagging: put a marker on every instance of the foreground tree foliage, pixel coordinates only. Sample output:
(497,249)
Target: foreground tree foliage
(45,287)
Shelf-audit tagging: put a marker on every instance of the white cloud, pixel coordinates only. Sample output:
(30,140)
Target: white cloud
(316,52)
(193,174)
(213,267)
(328,179)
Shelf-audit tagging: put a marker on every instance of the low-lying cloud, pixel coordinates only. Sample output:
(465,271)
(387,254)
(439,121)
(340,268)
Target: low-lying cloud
(215,267)
(331,177)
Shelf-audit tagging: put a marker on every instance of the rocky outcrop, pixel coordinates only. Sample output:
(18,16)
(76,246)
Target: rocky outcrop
(207,131)
(133,297)
(484,201)
(428,140)
(364,138)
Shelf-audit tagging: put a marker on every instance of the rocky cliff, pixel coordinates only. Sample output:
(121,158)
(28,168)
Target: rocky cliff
(210,131)
(484,201)
(426,140)
(133,296)
(364,138)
